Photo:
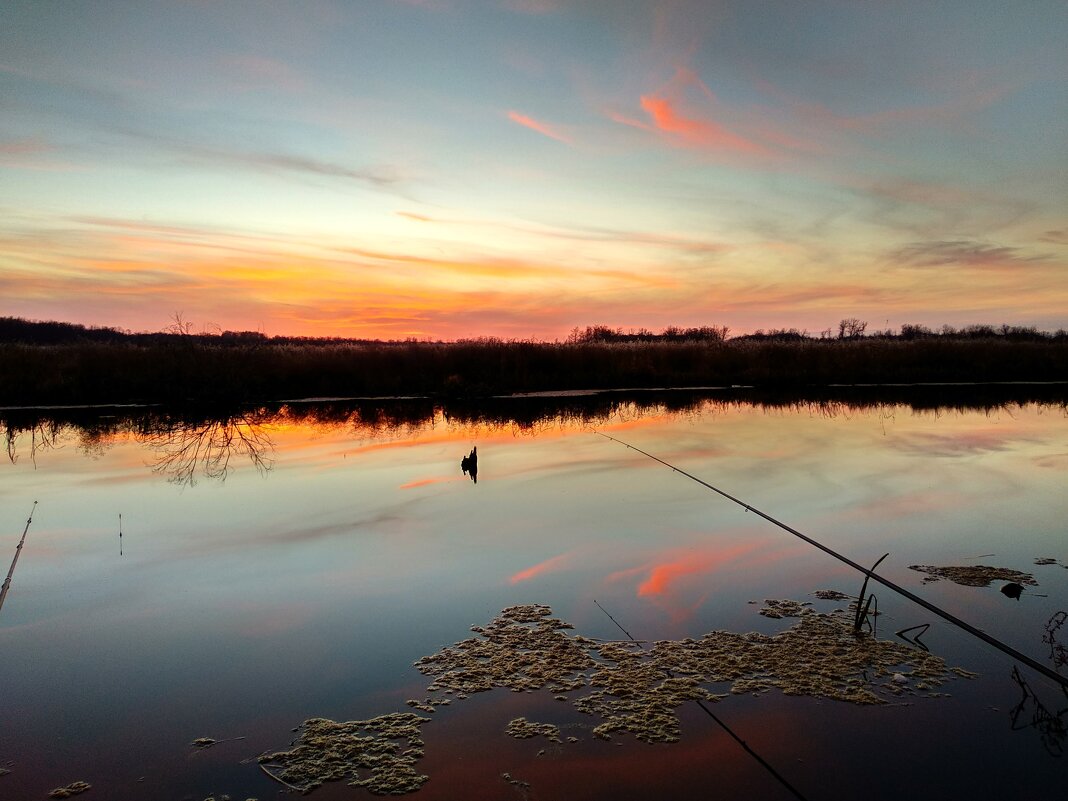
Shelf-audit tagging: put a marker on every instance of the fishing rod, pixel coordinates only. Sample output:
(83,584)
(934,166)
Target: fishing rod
(763,763)
(930,607)
(18,550)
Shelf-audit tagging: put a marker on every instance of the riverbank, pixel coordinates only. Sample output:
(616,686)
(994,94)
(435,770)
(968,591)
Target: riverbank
(180,370)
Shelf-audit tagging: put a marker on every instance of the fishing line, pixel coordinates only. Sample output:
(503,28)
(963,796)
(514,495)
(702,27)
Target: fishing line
(767,766)
(956,621)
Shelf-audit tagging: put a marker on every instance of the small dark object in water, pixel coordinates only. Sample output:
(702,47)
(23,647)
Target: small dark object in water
(1013,590)
(469,464)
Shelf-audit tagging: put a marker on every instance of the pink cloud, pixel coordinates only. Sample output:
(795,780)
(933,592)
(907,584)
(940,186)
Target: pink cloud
(705,134)
(622,119)
(26,146)
(540,127)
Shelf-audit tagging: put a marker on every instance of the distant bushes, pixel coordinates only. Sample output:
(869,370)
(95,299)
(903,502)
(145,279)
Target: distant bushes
(249,367)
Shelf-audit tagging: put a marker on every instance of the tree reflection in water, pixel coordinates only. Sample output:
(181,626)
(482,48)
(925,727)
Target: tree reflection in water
(208,447)
(44,434)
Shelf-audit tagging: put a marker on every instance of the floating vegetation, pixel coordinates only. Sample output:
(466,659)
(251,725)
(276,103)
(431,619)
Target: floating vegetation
(523,649)
(635,694)
(638,691)
(522,785)
(631,689)
(819,656)
(74,788)
(973,575)
(780,609)
(831,595)
(387,746)
(522,729)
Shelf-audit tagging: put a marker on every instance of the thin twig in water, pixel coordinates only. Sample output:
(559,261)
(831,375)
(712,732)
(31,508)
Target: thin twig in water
(861,616)
(281,781)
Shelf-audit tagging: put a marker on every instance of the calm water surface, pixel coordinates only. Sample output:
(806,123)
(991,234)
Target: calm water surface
(293,563)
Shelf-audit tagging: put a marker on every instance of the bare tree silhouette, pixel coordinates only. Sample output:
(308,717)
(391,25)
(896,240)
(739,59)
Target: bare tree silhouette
(208,447)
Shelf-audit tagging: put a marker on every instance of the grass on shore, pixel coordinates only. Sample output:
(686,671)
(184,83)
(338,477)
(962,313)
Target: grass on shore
(178,370)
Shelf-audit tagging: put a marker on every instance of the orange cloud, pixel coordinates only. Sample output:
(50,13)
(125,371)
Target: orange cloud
(704,134)
(540,127)
(555,563)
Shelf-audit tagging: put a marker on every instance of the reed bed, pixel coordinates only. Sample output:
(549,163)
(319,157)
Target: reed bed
(177,369)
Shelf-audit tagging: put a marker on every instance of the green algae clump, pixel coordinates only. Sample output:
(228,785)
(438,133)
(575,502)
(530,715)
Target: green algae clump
(387,746)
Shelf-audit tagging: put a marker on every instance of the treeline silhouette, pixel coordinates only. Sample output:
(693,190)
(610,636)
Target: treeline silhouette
(64,363)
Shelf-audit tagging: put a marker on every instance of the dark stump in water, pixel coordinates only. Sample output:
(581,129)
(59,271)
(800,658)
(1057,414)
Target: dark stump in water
(469,465)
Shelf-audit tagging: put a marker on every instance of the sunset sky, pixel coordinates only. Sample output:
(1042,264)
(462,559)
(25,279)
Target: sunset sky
(515,168)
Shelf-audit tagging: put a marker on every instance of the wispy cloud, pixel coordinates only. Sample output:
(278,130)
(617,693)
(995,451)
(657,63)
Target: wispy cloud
(28,145)
(540,127)
(686,112)
(1056,237)
(580,233)
(533,6)
(693,132)
(411,215)
(35,153)
(286,163)
(961,252)
(249,71)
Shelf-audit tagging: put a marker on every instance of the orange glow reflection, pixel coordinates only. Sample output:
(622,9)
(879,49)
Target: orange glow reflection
(547,566)
(663,576)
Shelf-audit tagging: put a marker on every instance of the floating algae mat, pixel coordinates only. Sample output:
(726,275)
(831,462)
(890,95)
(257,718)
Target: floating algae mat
(74,788)
(637,690)
(973,575)
(328,751)
(628,688)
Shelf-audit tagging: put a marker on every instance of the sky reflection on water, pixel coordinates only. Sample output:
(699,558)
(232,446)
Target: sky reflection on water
(305,585)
